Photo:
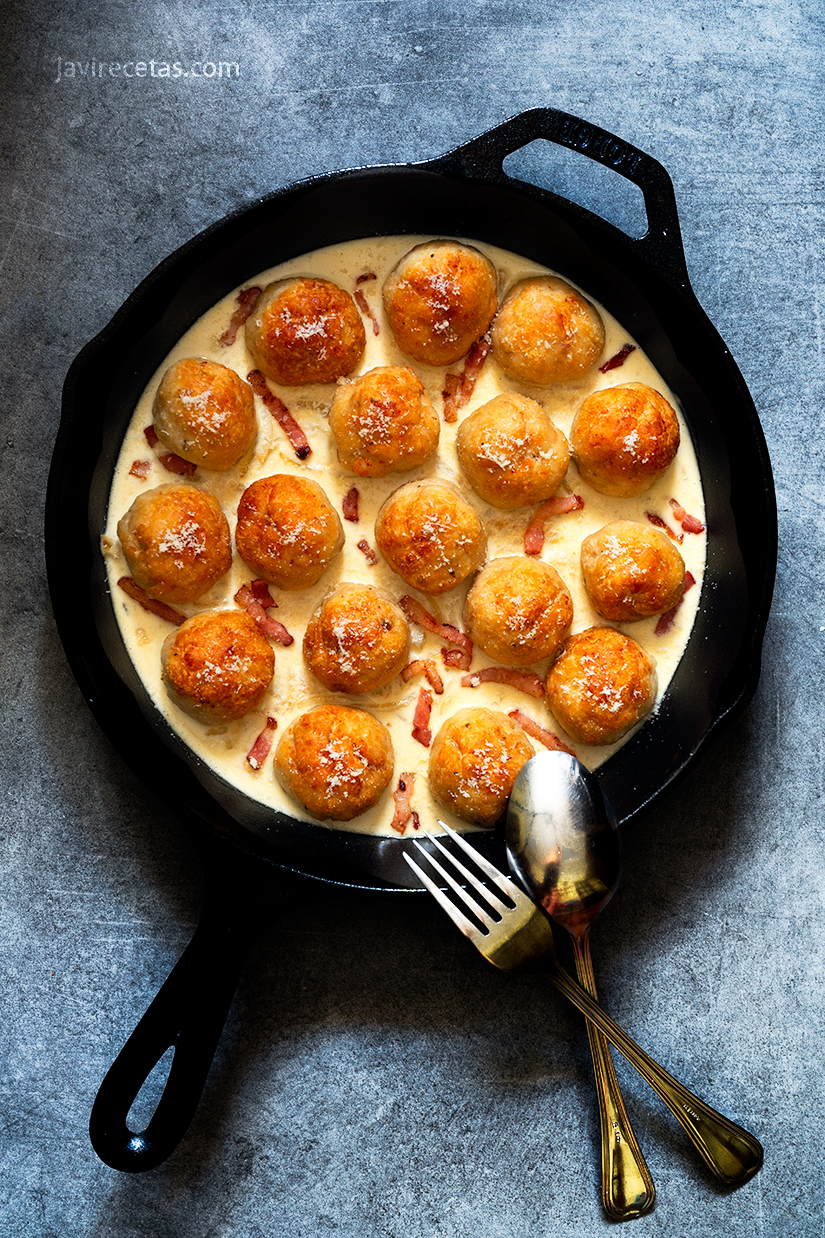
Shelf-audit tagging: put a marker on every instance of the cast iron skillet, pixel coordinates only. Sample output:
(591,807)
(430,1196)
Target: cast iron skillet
(255,859)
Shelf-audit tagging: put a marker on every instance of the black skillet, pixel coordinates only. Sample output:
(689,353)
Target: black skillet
(254,859)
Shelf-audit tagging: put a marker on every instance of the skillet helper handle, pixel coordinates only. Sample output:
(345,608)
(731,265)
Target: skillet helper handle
(662,243)
(188,1015)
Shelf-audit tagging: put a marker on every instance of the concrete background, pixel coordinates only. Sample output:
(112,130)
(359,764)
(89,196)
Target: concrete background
(376,1077)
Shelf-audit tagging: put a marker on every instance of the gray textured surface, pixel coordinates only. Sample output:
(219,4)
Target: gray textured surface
(375,1076)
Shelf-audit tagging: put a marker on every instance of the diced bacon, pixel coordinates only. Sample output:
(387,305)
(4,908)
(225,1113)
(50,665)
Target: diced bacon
(262,747)
(421,718)
(349,507)
(270,627)
(364,306)
(690,524)
(617,359)
(459,388)
(460,659)
(524,681)
(260,588)
(678,511)
(416,613)
(665,621)
(246,299)
(427,668)
(659,523)
(402,796)
(171,462)
(151,436)
(539,733)
(365,278)
(141,469)
(367,551)
(151,604)
(279,410)
(556,506)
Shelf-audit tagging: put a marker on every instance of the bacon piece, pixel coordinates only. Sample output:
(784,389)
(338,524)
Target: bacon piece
(524,681)
(421,718)
(364,306)
(458,388)
(460,659)
(665,621)
(246,299)
(151,436)
(349,507)
(367,551)
(690,524)
(281,413)
(402,796)
(171,462)
(416,613)
(365,278)
(260,750)
(617,359)
(141,469)
(427,668)
(151,604)
(270,627)
(260,588)
(665,527)
(557,506)
(538,732)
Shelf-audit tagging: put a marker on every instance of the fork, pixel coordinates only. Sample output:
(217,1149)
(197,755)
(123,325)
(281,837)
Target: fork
(518,937)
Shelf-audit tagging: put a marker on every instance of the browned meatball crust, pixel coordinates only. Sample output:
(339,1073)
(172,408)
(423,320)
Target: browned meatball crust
(511,452)
(305,331)
(430,536)
(357,640)
(218,665)
(288,532)
(624,438)
(631,571)
(547,332)
(176,542)
(335,761)
(474,761)
(205,413)
(383,422)
(602,685)
(518,610)
(440,298)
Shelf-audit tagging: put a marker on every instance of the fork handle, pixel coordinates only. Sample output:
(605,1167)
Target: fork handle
(730,1152)
(627,1184)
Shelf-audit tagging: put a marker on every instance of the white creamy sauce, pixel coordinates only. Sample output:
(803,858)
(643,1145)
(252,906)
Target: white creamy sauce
(294,690)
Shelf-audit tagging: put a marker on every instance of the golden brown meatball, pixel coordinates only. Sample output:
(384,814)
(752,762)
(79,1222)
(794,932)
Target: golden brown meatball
(602,685)
(430,536)
(518,610)
(176,542)
(383,422)
(217,666)
(631,571)
(335,761)
(287,531)
(440,298)
(512,453)
(624,438)
(474,761)
(546,332)
(305,331)
(357,640)
(205,413)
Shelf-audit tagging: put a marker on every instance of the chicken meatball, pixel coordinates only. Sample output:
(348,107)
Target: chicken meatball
(218,665)
(305,331)
(518,610)
(335,761)
(602,685)
(511,452)
(430,536)
(176,542)
(440,299)
(474,761)
(357,640)
(383,422)
(205,413)
(547,332)
(288,532)
(631,571)
(624,438)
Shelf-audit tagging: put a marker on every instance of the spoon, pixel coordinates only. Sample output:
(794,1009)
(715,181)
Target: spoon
(563,844)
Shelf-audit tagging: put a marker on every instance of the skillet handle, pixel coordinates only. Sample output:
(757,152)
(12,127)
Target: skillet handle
(662,243)
(188,1014)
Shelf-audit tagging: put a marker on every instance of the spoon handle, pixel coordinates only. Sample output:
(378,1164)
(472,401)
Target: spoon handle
(627,1185)
(730,1152)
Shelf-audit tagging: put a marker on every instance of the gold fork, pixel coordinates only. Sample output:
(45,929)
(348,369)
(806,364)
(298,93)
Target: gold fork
(518,937)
